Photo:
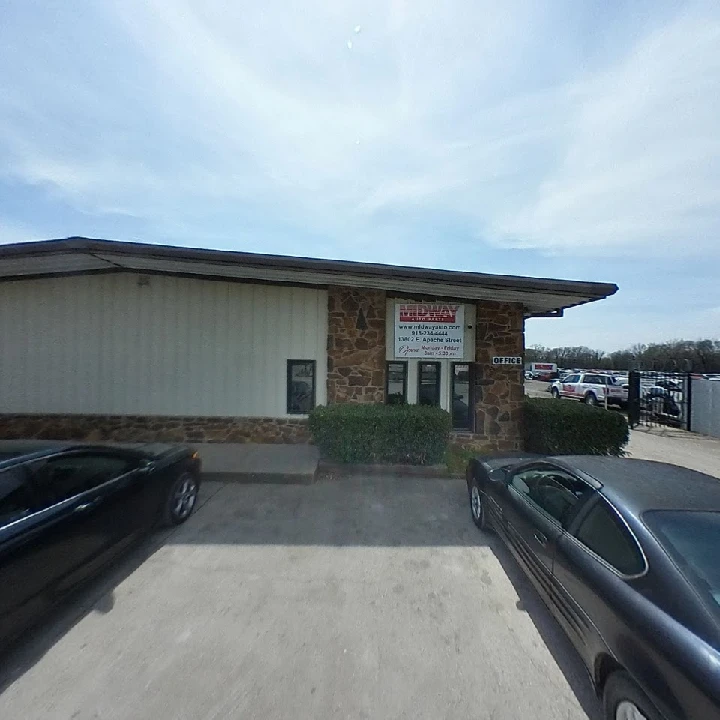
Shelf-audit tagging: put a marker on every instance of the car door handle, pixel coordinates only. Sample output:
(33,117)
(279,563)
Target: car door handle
(541,539)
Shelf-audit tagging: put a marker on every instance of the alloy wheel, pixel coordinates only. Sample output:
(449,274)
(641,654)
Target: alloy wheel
(184,497)
(476,502)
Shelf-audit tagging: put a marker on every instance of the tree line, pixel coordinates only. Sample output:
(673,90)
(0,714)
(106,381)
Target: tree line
(700,356)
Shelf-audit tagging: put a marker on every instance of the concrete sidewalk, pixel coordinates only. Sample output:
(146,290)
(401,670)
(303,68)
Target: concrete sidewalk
(251,462)
(678,447)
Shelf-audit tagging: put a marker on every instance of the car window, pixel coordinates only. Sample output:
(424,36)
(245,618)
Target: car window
(605,534)
(571,379)
(556,492)
(15,500)
(692,539)
(62,477)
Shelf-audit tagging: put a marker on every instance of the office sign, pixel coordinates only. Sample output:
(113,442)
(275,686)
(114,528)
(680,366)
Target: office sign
(507,361)
(429,330)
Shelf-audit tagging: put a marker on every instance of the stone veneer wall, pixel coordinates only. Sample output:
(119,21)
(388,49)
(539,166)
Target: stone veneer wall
(356,373)
(356,345)
(499,389)
(141,428)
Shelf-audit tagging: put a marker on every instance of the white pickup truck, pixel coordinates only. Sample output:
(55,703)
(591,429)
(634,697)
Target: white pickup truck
(591,388)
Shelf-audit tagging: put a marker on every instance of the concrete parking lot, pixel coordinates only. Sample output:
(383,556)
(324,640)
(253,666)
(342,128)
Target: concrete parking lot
(360,598)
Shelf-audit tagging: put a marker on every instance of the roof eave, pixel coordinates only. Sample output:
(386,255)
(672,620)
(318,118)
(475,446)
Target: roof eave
(541,297)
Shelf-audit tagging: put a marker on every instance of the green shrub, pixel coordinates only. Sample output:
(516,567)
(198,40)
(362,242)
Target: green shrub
(556,427)
(359,433)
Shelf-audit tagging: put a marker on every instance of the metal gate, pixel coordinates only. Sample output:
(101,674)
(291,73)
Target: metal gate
(659,398)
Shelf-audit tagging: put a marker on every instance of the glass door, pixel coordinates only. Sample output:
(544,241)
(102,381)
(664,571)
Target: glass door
(461,396)
(428,383)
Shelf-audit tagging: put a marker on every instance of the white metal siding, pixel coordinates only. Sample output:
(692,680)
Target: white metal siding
(705,406)
(126,344)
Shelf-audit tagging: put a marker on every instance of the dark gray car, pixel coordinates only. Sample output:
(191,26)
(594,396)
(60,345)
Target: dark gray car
(626,555)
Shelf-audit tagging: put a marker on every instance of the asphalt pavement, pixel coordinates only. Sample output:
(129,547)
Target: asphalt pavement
(353,598)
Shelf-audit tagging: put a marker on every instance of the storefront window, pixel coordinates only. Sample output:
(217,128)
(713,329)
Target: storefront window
(429,383)
(396,390)
(461,398)
(300,386)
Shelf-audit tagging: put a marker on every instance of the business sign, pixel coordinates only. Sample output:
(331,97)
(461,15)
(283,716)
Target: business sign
(429,330)
(507,361)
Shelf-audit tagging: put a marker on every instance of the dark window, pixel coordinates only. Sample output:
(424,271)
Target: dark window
(572,379)
(62,477)
(396,390)
(461,397)
(300,386)
(603,532)
(556,492)
(14,495)
(428,383)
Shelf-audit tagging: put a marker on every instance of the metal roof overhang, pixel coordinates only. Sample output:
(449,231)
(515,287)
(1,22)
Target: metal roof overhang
(72,256)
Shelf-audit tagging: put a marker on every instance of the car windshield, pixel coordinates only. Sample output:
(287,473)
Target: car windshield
(692,539)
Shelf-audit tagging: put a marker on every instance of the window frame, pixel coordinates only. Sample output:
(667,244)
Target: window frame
(438,384)
(578,510)
(581,517)
(471,405)
(288,383)
(404,364)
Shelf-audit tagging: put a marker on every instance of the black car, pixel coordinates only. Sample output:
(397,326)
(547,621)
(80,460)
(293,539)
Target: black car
(626,555)
(65,512)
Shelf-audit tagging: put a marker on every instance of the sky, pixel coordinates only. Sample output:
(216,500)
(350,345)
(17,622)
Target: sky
(578,140)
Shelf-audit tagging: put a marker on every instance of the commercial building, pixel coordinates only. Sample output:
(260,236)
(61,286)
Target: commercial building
(104,340)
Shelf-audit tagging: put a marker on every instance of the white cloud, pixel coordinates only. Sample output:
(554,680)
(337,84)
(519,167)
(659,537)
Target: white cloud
(485,112)
(641,158)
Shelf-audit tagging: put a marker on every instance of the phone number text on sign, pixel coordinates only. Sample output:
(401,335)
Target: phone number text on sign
(429,330)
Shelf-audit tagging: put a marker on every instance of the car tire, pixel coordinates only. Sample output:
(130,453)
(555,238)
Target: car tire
(477,506)
(624,700)
(180,500)
(555,393)
(591,399)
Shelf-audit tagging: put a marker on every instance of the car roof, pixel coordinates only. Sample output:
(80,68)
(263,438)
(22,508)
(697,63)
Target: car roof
(642,485)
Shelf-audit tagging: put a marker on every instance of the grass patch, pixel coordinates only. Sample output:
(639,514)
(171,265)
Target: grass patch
(457,458)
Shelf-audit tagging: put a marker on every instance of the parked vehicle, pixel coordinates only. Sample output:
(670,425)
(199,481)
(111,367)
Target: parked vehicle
(624,553)
(660,402)
(591,388)
(65,512)
(543,371)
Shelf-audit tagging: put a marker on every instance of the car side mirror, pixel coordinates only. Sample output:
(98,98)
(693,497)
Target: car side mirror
(499,475)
